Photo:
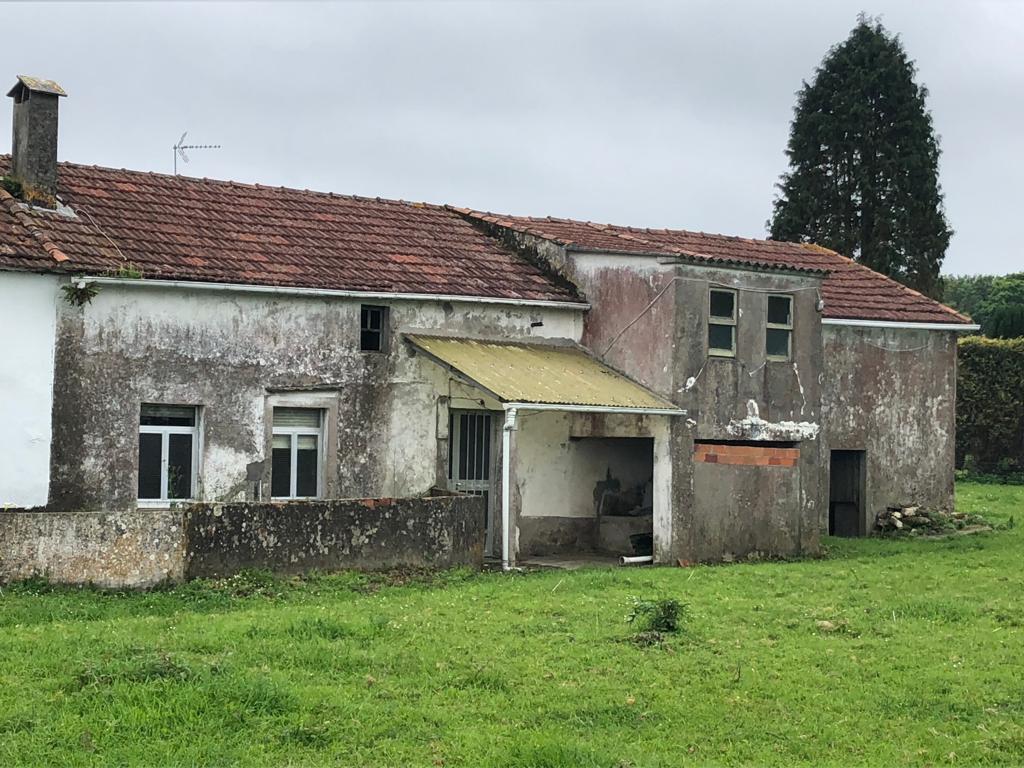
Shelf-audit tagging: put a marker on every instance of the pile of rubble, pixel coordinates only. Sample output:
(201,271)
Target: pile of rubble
(925,521)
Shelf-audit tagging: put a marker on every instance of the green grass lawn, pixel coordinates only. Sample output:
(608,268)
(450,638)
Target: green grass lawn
(924,665)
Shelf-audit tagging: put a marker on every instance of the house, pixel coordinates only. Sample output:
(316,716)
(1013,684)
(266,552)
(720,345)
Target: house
(595,387)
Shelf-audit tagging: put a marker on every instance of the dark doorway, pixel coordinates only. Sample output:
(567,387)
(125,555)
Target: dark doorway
(846,494)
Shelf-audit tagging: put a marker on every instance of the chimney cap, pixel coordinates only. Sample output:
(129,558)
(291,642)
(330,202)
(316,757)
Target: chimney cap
(36,84)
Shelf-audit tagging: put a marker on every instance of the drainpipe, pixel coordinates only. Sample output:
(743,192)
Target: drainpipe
(506,490)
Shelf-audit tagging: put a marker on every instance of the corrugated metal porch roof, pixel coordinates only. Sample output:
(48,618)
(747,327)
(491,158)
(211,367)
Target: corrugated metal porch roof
(516,372)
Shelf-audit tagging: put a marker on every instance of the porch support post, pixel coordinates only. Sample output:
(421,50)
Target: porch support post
(506,490)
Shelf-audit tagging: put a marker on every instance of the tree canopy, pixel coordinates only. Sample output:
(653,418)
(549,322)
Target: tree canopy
(863,157)
(995,302)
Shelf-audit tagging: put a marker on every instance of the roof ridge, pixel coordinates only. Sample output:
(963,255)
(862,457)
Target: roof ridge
(15,209)
(205,180)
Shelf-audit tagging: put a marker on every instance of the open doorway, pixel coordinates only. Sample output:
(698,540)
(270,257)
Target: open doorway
(846,496)
(622,471)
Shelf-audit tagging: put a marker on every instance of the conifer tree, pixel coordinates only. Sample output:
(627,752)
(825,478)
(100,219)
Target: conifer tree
(864,159)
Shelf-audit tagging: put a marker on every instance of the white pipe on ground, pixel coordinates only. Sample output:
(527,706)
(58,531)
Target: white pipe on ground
(506,491)
(637,560)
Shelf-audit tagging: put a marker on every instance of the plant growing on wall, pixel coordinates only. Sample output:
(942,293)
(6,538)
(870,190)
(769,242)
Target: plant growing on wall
(79,293)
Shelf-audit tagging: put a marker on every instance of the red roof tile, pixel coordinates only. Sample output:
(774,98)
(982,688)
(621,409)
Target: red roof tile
(850,290)
(181,228)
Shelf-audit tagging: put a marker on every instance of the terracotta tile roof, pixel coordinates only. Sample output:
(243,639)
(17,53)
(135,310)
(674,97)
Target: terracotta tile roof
(850,290)
(181,228)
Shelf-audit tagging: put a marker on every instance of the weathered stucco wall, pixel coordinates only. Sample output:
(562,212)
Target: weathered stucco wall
(746,397)
(137,548)
(231,354)
(28,307)
(367,534)
(142,548)
(892,393)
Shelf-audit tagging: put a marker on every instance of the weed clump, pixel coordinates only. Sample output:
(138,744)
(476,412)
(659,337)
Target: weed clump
(653,619)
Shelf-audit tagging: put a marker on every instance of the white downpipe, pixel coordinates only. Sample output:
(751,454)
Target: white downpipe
(506,489)
(638,560)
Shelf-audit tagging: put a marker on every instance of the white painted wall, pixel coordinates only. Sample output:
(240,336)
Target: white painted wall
(28,316)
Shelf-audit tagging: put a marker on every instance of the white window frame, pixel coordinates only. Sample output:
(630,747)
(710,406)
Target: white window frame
(293,433)
(165,443)
(731,322)
(780,327)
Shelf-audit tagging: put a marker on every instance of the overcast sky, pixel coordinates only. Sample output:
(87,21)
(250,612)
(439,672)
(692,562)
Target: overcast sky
(644,113)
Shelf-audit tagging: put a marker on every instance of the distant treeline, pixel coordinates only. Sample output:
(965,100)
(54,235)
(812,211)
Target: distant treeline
(996,302)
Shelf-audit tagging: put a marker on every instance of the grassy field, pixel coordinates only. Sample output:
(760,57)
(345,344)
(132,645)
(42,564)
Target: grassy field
(922,663)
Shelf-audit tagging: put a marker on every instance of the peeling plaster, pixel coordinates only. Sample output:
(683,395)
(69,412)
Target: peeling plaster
(755,428)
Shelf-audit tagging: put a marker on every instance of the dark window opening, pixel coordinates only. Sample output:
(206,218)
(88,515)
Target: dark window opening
(373,328)
(779,328)
(722,323)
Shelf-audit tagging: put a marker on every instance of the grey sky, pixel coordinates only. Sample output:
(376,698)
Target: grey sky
(642,113)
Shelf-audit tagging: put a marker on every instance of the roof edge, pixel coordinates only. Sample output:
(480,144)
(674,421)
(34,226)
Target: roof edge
(329,292)
(902,324)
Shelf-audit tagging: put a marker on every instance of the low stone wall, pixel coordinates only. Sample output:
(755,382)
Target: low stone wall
(140,548)
(367,534)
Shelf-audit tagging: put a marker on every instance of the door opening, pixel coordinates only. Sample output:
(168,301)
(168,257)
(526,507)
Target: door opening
(470,462)
(846,497)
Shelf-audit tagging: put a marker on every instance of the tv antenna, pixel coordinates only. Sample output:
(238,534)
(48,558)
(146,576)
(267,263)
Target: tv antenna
(181,146)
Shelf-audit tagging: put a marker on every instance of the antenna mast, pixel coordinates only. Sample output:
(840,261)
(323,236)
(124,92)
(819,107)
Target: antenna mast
(181,146)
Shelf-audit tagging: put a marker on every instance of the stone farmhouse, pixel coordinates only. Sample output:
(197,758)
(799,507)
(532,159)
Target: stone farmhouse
(174,344)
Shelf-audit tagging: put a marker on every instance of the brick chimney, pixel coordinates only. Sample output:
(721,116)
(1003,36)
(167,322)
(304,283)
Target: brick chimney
(34,146)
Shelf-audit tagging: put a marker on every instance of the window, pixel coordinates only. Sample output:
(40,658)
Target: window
(373,329)
(296,450)
(722,323)
(779,331)
(168,459)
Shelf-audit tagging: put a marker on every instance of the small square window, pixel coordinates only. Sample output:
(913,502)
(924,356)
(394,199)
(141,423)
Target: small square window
(779,328)
(295,453)
(168,458)
(722,323)
(373,328)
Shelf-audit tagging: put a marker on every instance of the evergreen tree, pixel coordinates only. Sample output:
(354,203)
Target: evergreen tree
(864,159)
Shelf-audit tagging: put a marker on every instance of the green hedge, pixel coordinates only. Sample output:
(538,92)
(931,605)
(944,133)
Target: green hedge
(990,405)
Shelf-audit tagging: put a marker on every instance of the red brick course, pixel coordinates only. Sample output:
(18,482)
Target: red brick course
(746,455)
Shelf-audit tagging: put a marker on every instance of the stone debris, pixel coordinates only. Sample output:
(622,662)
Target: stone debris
(917,521)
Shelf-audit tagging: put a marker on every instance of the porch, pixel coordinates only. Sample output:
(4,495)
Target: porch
(582,450)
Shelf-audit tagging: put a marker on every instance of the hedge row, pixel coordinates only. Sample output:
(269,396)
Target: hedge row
(990,405)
